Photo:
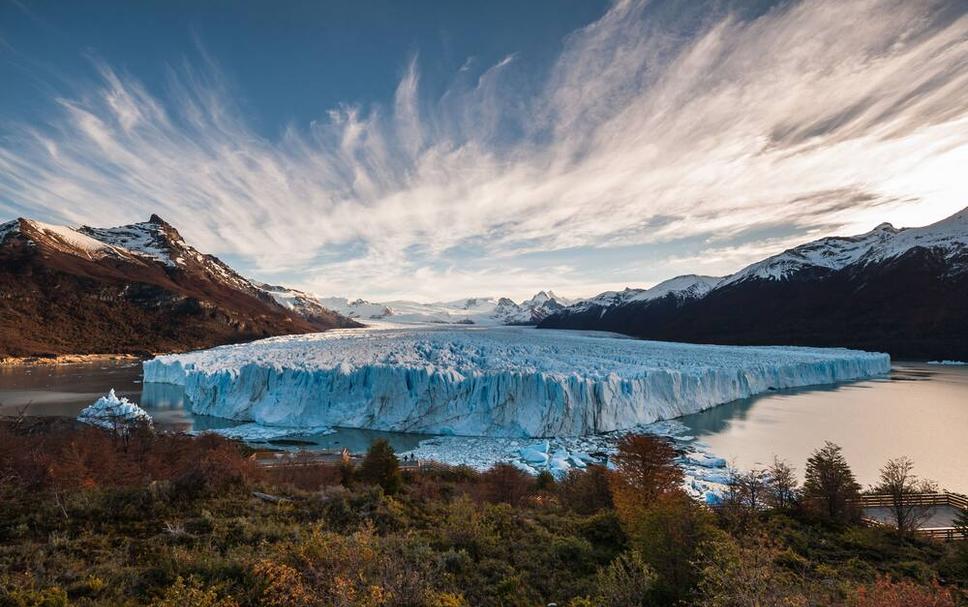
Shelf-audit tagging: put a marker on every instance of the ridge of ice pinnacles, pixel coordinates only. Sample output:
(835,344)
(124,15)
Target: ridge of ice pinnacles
(113,413)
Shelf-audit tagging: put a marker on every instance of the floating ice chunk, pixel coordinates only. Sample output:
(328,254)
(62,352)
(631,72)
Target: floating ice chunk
(524,467)
(559,464)
(113,413)
(255,433)
(488,382)
(706,461)
(948,363)
(534,456)
(720,478)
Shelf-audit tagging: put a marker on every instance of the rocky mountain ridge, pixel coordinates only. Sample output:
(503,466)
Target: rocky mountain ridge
(136,288)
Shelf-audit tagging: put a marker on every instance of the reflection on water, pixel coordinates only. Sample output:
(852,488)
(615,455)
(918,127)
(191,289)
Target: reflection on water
(919,411)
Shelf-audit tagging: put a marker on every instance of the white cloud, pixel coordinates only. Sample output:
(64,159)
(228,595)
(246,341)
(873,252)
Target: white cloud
(822,116)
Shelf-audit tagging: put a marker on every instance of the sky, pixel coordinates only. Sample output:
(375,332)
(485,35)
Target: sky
(433,150)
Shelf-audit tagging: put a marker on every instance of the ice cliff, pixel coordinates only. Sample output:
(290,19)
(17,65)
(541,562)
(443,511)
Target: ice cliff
(488,382)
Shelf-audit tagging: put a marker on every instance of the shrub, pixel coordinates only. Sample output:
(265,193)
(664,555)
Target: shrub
(887,593)
(669,535)
(585,491)
(734,575)
(503,483)
(194,593)
(282,586)
(627,581)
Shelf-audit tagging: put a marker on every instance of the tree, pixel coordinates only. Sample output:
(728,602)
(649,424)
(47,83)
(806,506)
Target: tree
(645,468)
(900,483)
(744,498)
(961,523)
(830,488)
(745,495)
(781,485)
(381,467)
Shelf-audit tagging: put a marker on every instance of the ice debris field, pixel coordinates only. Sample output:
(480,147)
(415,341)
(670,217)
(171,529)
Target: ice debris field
(704,474)
(498,382)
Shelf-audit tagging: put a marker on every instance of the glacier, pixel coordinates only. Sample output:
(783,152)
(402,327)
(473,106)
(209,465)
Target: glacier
(496,381)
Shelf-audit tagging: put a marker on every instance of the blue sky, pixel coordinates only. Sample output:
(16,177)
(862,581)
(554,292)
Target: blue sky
(433,150)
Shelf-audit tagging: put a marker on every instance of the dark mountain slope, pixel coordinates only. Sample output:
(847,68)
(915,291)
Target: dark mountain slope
(900,291)
(131,289)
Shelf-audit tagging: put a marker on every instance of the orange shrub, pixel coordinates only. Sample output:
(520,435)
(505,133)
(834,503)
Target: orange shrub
(886,593)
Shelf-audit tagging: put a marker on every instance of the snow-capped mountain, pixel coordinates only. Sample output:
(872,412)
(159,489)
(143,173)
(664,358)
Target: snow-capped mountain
(472,310)
(133,288)
(682,288)
(156,240)
(898,290)
(948,238)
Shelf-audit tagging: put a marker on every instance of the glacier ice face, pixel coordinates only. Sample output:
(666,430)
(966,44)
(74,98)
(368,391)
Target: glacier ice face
(505,381)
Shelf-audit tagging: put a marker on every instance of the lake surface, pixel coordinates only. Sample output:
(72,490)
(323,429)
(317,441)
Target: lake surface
(920,411)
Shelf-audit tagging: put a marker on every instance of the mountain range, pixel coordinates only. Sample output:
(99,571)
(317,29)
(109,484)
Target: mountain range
(137,288)
(141,288)
(472,310)
(902,291)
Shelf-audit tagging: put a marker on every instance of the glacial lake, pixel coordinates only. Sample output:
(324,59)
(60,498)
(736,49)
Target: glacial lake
(919,410)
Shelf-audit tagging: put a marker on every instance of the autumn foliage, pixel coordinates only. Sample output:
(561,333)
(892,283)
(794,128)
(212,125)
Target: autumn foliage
(61,455)
(645,469)
(887,593)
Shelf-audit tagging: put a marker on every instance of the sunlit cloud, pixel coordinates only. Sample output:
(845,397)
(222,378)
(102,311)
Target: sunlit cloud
(650,131)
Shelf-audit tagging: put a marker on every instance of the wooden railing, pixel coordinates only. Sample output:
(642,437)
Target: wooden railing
(948,534)
(915,499)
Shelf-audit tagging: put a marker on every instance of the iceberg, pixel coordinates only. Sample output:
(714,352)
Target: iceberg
(113,413)
(500,381)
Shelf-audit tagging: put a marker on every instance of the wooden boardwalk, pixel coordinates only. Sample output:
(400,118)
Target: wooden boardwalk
(941,510)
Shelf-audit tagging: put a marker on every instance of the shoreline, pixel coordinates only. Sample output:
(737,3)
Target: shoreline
(65,359)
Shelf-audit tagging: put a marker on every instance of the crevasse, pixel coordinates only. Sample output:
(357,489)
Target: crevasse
(488,382)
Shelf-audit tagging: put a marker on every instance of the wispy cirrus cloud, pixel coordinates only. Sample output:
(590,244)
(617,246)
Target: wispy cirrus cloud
(671,136)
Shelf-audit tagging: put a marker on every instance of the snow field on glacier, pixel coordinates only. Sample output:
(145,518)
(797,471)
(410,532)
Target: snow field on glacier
(498,381)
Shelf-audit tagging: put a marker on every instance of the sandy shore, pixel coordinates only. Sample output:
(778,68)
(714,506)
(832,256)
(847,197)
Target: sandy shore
(65,359)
